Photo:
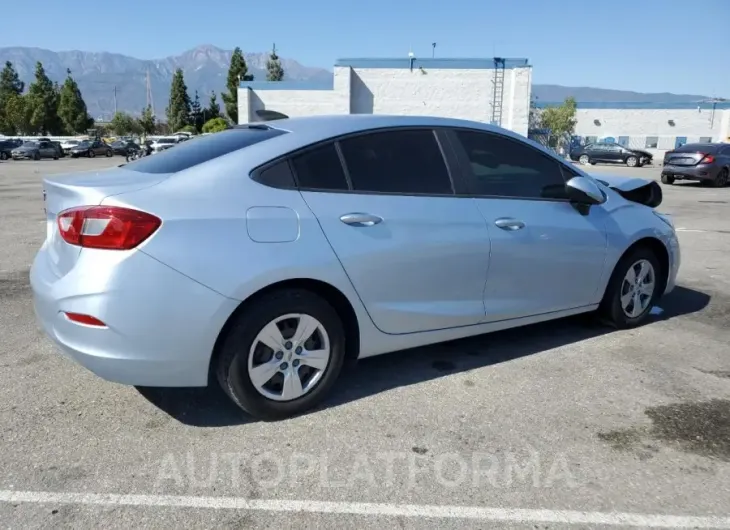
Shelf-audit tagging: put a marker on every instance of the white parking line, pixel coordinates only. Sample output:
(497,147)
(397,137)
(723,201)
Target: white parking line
(689,230)
(512,515)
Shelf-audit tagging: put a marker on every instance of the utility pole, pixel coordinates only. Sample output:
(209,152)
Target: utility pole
(433,50)
(115,100)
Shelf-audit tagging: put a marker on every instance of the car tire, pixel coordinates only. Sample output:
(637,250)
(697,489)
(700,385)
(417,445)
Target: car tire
(109,153)
(618,307)
(584,159)
(37,156)
(55,157)
(91,153)
(721,179)
(3,156)
(667,179)
(632,161)
(242,351)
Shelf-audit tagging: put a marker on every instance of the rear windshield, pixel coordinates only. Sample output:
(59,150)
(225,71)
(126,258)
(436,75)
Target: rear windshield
(697,148)
(201,149)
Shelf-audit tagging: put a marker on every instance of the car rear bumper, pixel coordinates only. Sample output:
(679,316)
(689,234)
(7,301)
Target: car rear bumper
(704,172)
(161,326)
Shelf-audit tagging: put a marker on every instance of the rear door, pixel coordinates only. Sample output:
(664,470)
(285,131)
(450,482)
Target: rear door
(416,254)
(47,149)
(546,256)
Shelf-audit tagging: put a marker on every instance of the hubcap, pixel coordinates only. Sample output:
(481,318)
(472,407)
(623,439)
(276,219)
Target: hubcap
(637,288)
(289,356)
(631,162)
(584,160)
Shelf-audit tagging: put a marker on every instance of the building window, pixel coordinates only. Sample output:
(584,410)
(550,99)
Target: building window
(705,139)
(591,140)
(651,142)
(680,141)
(623,140)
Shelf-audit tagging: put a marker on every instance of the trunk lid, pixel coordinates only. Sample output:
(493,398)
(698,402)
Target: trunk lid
(61,192)
(680,158)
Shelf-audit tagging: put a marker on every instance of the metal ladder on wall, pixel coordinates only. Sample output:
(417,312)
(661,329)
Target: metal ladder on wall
(497,91)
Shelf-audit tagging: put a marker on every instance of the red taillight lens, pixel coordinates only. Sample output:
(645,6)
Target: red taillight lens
(107,227)
(707,159)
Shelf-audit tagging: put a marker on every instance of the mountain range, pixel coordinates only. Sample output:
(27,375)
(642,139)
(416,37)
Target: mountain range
(104,77)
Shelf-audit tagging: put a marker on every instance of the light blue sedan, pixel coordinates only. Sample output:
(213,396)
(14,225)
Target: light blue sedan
(266,256)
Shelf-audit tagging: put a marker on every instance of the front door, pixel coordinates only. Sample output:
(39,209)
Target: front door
(546,256)
(416,254)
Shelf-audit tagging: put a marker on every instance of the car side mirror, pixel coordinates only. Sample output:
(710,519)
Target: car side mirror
(581,190)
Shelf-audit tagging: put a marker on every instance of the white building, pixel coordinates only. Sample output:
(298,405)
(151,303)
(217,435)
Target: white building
(488,90)
(657,126)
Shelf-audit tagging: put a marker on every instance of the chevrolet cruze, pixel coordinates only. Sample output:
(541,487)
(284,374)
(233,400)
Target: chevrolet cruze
(265,256)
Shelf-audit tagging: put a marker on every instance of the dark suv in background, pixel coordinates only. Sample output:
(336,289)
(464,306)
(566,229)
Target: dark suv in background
(699,162)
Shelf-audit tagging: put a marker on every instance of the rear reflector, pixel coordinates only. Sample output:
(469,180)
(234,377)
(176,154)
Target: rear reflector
(88,320)
(106,227)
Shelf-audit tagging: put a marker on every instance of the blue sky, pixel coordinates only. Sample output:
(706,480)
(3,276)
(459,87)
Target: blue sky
(642,45)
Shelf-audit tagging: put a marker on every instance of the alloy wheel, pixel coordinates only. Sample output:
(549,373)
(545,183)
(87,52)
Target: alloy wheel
(289,356)
(637,288)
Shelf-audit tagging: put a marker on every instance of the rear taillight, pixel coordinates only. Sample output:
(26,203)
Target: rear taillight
(707,159)
(107,227)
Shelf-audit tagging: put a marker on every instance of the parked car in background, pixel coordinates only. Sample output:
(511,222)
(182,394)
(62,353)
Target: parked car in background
(318,240)
(91,148)
(35,150)
(161,144)
(59,149)
(123,148)
(6,149)
(706,162)
(67,145)
(610,153)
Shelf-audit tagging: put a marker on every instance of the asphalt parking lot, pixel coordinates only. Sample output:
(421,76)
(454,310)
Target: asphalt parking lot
(565,424)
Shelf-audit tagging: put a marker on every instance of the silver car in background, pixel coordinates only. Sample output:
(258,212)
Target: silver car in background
(266,256)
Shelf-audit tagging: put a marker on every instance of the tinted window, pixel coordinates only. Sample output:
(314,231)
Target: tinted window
(694,148)
(201,149)
(508,168)
(320,168)
(407,161)
(277,176)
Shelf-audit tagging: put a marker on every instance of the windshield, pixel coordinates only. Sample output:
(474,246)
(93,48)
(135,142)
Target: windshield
(84,143)
(30,144)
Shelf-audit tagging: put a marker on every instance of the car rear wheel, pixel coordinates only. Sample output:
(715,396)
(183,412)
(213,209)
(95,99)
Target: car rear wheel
(584,159)
(109,153)
(92,154)
(37,156)
(721,179)
(3,156)
(632,161)
(667,179)
(281,356)
(632,290)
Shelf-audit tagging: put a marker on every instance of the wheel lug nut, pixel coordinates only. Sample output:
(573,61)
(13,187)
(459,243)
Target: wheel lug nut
(288,345)
(280,355)
(295,363)
(298,350)
(283,366)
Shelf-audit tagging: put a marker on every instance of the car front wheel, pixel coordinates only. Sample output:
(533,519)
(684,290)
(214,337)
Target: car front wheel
(632,161)
(667,179)
(91,154)
(584,159)
(282,355)
(632,290)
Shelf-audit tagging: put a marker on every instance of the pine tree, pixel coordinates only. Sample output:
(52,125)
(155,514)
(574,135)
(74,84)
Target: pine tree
(196,113)
(178,111)
(147,121)
(72,108)
(237,72)
(11,88)
(214,109)
(274,71)
(42,100)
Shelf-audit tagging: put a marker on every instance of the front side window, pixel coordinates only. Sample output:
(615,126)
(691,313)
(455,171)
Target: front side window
(404,161)
(504,167)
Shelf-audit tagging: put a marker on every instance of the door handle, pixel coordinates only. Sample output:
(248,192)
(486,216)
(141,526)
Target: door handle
(507,223)
(360,219)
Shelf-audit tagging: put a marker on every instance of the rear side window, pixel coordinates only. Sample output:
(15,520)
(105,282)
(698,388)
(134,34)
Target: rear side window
(405,161)
(320,169)
(201,149)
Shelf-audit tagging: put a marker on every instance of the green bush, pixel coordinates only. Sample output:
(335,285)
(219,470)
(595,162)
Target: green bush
(215,125)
